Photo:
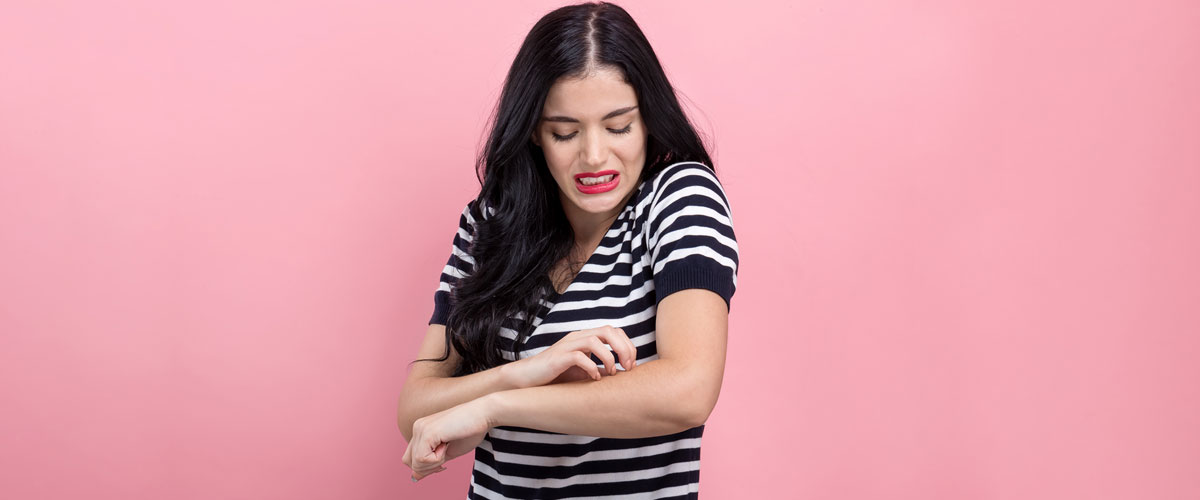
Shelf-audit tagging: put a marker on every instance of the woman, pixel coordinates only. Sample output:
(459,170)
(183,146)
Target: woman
(581,318)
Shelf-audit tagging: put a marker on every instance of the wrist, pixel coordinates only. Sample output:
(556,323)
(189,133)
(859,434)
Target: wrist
(492,406)
(510,377)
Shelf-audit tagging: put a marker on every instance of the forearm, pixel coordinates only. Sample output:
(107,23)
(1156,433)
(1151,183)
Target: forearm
(429,395)
(660,397)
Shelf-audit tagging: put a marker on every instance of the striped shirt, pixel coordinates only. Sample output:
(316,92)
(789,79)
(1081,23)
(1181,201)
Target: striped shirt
(674,233)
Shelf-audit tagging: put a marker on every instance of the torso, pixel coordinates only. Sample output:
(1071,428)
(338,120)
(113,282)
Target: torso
(616,283)
(564,271)
(561,276)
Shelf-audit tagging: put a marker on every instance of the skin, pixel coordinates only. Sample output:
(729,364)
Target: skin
(592,144)
(560,389)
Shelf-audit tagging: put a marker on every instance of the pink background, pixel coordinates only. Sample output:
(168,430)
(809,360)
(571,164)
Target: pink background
(970,241)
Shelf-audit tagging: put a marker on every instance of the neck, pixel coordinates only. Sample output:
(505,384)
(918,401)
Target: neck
(590,227)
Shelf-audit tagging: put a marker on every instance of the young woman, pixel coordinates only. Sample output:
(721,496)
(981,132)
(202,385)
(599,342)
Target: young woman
(577,342)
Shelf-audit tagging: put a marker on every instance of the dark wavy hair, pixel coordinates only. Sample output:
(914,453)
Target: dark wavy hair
(515,248)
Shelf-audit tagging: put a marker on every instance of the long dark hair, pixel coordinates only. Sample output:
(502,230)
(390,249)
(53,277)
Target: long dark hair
(515,247)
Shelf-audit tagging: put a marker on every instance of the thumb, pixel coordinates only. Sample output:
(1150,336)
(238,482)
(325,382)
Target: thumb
(437,453)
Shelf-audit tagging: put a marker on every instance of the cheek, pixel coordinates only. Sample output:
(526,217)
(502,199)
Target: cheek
(633,148)
(559,161)
(630,148)
(558,153)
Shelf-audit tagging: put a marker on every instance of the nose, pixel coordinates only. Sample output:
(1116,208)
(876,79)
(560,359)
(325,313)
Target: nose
(595,149)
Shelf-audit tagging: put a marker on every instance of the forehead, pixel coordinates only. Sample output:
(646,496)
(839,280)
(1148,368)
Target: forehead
(590,97)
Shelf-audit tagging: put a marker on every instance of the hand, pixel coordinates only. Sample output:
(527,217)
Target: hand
(568,359)
(446,435)
(572,374)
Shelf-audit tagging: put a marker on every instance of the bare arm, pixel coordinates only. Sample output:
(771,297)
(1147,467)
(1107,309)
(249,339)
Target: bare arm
(430,388)
(671,394)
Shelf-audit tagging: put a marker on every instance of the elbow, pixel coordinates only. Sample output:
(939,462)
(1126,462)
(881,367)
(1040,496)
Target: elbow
(694,414)
(405,429)
(698,402)
(408,410)
(403,421)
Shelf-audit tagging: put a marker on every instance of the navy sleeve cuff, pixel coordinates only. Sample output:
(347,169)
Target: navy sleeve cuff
(441,308)
(716,278)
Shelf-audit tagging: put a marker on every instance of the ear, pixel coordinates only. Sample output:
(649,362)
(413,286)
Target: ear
(534,137)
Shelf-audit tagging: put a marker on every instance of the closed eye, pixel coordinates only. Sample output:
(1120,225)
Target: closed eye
(563,138)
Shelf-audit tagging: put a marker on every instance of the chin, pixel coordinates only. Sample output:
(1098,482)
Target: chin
(598,204)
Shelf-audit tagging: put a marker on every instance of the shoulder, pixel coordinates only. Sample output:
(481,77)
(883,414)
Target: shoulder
(685,184)
(475,210)
(688,232)
(679,171)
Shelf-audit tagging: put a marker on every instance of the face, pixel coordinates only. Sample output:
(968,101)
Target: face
(591,126)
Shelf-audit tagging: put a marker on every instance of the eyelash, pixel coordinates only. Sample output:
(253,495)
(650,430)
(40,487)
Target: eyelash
(564,138)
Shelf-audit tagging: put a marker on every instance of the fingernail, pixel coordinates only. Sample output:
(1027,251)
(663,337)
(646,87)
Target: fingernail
(413,478)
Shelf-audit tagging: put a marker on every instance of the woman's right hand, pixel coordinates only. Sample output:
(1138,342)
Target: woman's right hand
(569,358)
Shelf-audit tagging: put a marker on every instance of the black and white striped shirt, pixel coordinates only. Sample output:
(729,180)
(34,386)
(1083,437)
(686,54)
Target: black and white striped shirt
(675,233)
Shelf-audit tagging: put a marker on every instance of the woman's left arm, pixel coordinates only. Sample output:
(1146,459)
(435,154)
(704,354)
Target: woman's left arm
(694,258)
(670,394)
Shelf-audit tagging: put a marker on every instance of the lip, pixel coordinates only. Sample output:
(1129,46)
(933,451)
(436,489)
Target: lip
(598,188)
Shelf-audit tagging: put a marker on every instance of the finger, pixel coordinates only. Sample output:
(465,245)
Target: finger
(622,345)
(439,453)
(597,347)
(431,459)
(595,344)
(633,354)
(417,476)
(632,357)
(417,435)
(574,373)
(425,471)
(428,471)
(583,361)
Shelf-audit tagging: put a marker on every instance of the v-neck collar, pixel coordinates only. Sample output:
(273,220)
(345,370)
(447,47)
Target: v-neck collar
(554,297)
(608,234)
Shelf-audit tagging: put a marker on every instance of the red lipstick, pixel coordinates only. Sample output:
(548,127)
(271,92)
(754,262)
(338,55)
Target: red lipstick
(597,188)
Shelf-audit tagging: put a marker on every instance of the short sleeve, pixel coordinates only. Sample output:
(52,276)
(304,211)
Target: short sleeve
(690,233)
(457,266)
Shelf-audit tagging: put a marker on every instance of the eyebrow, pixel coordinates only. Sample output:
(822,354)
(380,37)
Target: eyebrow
(567,119)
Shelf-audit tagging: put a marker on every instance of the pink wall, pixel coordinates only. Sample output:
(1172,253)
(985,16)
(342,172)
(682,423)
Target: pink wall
(969,242)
